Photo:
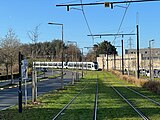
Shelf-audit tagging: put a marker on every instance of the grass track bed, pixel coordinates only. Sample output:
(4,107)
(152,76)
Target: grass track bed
(110,105)
(82,106)
(147,107)
(49,105)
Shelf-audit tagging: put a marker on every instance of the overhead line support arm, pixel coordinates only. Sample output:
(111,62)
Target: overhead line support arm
(110,34)
(107,4)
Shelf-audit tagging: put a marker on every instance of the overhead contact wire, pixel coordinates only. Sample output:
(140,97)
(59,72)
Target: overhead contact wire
(87,21)
(121,21)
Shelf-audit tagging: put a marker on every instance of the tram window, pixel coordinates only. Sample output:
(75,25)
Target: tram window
(65,64)
(41,64)
(70,65)
(96,66)
(54,64)
(49,64)
(89,65)
(60,64)
(36,64)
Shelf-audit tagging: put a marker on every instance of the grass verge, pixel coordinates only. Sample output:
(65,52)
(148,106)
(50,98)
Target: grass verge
(110,105)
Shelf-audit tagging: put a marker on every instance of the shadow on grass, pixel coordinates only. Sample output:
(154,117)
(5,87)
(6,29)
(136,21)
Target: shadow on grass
(115,107)
(72,114)
(28,114)
(110,106)
(49,113)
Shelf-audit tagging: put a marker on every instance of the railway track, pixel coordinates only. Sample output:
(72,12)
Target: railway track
(130,103)
(99,97)
(65,107)
(96,101)
(138,93)
(149,99)
(74,98)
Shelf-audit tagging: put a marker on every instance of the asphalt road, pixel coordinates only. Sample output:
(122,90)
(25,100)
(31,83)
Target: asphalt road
(9,97)
(6,82)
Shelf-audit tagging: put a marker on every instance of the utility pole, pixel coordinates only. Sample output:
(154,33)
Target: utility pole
(114,57)
(130,47)
(122,57)
(137,51)
(82,62)
(123,34)
(107,58)
(20,58)
(150,59)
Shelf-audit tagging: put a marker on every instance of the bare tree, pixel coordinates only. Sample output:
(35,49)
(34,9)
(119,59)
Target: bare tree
(90,55)
(73,53)
(33,35)
(9,51)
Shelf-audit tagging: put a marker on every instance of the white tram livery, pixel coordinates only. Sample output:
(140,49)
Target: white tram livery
(67,65)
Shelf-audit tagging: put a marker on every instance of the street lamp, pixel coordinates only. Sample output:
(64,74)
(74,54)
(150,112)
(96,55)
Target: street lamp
(115,59)
(86,65)
(76,57)
(62,85)
(150,57)
(95,48)
(82,61)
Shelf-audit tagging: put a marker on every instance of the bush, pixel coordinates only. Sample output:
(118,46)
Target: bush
(129,79)
(153,86)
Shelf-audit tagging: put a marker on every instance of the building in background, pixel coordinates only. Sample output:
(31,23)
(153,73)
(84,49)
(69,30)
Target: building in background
(130,60)
(116,63)
(155,53)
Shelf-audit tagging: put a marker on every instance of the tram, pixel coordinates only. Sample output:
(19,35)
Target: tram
(67,65)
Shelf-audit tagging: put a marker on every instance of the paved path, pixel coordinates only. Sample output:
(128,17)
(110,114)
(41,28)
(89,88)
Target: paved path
(9,97)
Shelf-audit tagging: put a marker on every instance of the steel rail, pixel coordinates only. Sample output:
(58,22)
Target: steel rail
(129,103)
(58,114)
(96,101)
(149,99)
(155,102)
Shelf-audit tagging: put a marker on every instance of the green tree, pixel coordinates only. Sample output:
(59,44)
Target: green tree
(106,47)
